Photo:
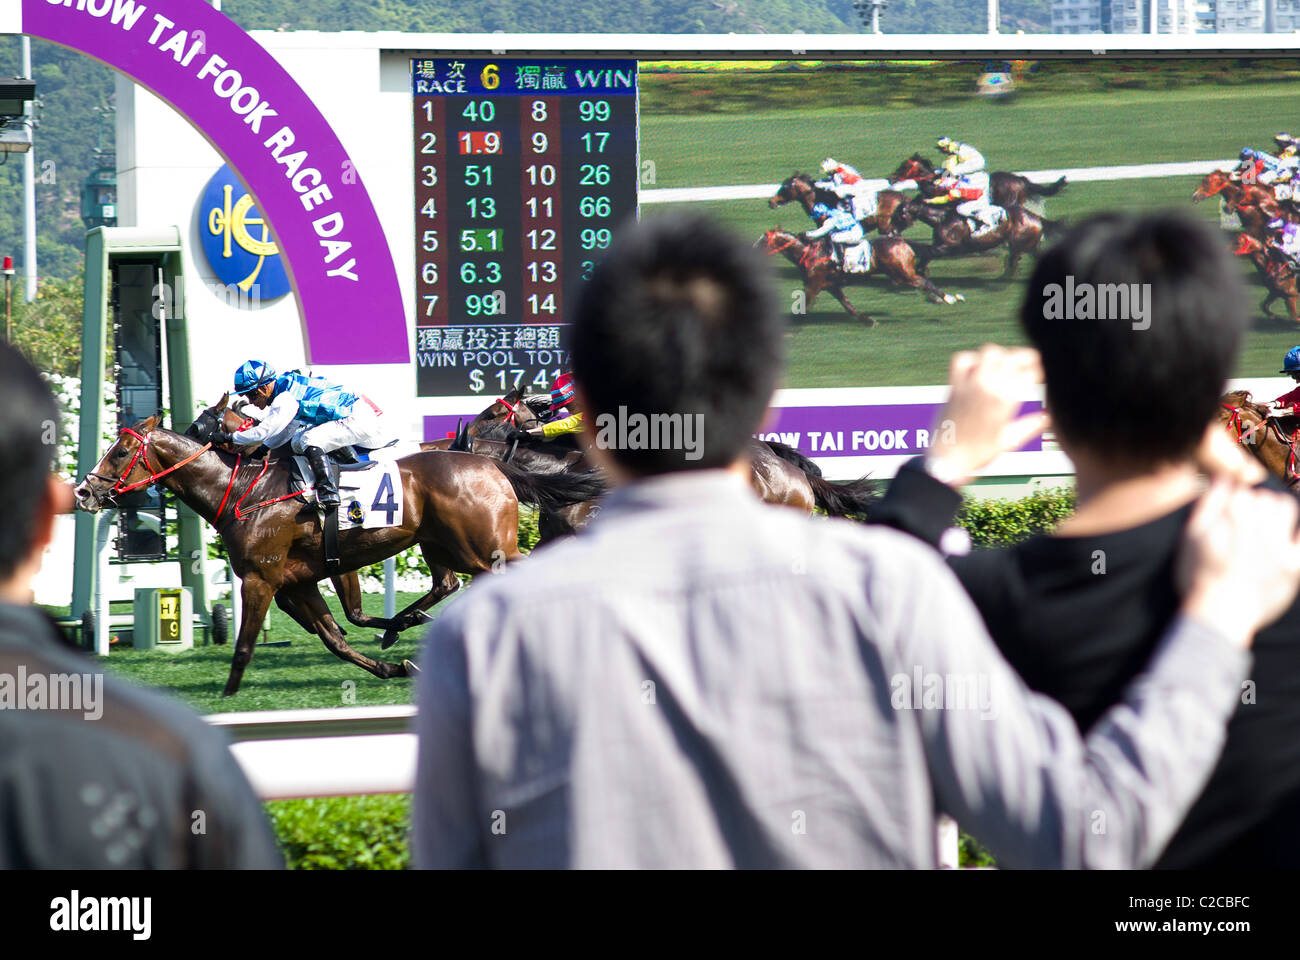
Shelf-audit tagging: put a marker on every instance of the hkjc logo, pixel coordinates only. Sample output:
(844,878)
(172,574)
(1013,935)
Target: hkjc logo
(237,240)
(355,513)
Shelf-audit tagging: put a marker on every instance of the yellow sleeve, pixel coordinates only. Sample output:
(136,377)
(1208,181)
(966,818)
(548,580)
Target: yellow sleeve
(558,428)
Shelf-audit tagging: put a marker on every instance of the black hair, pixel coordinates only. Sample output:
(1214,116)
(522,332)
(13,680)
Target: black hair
(678,319)
(29,432)
(1140,384)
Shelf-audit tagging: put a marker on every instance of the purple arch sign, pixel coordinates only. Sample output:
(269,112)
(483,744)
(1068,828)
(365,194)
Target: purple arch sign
(269,130)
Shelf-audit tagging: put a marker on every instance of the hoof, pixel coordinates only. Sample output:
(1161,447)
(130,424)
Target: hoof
(389,638)
(411,669)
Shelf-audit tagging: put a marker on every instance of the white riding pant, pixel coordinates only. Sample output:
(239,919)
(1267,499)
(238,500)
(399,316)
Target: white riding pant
(363,427)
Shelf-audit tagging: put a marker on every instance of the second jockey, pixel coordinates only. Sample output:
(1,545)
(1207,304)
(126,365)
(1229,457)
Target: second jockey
(333,418)
(842,227)
(1287,403)
(1285,238)
(851,187)
(566,416)
(966,183)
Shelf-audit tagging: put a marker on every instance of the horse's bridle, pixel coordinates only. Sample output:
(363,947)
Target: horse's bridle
(142,452)
(1235,421)
(807,259)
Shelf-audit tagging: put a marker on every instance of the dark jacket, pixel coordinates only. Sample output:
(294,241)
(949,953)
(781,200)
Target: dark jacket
(1078,617)
(126,780)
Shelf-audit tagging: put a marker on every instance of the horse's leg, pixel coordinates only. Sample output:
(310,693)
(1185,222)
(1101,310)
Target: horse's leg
(284,603)
(347,587)
(837,292)
(445,583)
(308,597)
(256,594)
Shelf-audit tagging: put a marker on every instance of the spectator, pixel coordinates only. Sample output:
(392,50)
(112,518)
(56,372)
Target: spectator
(698,680)
(1080,613)
(94,773)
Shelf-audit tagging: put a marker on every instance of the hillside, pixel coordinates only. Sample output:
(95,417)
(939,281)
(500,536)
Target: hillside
(73,88)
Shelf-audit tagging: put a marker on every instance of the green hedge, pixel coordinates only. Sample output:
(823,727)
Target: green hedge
(370,833)
(343,833)
(1001,523)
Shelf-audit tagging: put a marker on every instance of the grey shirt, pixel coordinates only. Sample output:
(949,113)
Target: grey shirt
(700,680)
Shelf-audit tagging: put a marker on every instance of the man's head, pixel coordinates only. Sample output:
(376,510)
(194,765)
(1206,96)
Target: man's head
(29,421)
(255,382)
(1139,321)
(676,337)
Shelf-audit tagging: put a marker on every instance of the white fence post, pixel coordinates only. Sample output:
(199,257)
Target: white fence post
(948,843)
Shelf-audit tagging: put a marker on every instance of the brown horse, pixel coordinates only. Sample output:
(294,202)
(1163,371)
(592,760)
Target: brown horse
(1254,204)
(1248,423)
(779,474)
(461,510)
(1021,231)
(1278,272)
(901,261)
(1006,189)
(800,188)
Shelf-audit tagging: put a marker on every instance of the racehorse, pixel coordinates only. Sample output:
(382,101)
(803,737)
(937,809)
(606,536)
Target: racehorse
(1279,273)
(461,510)
(1005,189)
(800,188)
(901,261)
(1248,423)
(347,586)
(1254,204)
(1021,230)
(779,474)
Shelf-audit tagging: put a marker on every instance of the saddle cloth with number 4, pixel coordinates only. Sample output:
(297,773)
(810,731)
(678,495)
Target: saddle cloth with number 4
(370,493)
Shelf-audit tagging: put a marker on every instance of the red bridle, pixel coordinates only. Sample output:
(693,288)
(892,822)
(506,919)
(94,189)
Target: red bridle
(513,408)
(120,485)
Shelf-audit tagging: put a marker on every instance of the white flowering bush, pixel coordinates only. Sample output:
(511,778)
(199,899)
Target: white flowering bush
(67,393)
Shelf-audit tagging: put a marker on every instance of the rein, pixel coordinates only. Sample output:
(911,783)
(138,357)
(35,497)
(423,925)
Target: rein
(1292,474)
(142,451)
(808,260)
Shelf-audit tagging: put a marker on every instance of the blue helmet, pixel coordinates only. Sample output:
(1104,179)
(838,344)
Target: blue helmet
(820,211)
(1292,362)
(252,375)
(1247,153)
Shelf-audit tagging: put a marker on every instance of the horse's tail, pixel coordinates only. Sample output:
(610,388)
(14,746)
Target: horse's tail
(792,456)
(552,491)
(1045,189)
(848,498)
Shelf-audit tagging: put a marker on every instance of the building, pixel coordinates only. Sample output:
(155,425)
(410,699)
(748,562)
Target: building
(1175,16)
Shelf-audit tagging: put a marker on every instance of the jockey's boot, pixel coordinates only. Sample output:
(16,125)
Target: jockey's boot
(327,488)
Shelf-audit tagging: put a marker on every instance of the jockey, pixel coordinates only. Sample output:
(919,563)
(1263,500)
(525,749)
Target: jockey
(1285,238)
(962,158)
(566,417)
(1285,146)
(971,194)
(847,184)
(1260,167)
(1287,403)
(843,227)
(333,418)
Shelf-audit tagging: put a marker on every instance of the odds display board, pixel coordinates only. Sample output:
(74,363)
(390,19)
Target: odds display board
(523,170)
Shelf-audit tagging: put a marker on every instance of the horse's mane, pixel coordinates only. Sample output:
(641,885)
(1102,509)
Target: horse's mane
(1242,398)
(923,160)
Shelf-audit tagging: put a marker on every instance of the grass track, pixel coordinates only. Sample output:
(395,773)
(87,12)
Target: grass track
(303,674)
(914,339)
